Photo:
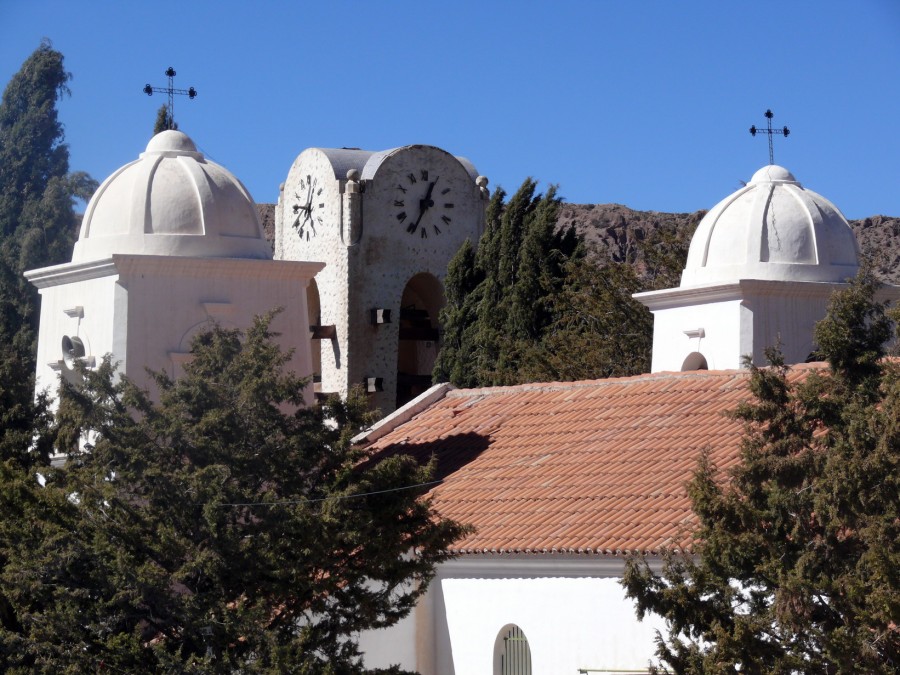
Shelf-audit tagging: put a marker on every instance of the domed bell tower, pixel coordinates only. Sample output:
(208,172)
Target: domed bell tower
(761,268)
(170,244)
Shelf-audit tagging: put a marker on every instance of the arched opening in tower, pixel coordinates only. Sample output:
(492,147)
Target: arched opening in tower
(314,311)
(694,361)
(418,345)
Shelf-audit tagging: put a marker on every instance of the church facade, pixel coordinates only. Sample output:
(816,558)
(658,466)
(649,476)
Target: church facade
(560,481)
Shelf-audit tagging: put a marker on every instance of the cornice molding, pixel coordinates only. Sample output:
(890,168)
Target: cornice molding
(742,289)
(533,565)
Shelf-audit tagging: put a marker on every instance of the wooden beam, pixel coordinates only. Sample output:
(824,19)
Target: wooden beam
(323,332)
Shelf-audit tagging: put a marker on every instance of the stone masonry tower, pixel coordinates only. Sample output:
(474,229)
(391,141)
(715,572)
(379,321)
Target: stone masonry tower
(386,225)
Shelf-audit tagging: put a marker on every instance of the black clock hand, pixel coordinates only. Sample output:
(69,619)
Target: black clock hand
(426,203)
(427,200)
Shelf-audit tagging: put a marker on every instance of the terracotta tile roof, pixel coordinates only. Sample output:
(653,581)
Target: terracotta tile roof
(587,467)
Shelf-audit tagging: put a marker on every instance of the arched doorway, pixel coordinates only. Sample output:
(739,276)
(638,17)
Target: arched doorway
(512,655)
(417,347)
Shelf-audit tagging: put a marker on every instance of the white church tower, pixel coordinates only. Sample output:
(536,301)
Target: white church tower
(386,224)
(761,268)
(169,243)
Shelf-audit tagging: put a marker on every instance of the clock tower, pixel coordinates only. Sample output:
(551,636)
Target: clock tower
(386,224)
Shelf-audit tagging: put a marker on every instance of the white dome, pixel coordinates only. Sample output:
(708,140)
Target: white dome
(171,201)
(772,229)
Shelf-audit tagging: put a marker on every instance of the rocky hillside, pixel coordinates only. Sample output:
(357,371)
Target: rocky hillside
(266,213)
(879,238)
(614,231)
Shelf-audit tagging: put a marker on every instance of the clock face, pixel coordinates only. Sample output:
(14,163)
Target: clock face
(311,198)
(423,203)
(308,207)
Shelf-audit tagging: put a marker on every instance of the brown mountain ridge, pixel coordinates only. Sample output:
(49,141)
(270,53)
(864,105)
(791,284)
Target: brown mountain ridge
(614,232)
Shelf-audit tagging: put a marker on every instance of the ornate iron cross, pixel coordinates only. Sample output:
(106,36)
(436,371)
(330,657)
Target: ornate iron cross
(770,132)
(171,91)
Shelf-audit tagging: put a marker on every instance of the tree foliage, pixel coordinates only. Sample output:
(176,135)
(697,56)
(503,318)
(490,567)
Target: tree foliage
(226,528)
(164,120)
(37,220)
(527,304)
(598,330)
(796,565)
(663,254)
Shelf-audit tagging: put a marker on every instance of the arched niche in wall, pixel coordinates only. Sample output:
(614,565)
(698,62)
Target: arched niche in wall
(694,361)
(418,346)
(512,655)
(182,355)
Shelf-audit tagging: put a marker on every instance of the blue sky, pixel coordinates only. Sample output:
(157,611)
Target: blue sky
(646,104)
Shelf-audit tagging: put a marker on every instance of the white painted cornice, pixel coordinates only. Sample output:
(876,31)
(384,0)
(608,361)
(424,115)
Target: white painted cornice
(531,565)
(181,266)
(736,290)
(68,273)
(187,267)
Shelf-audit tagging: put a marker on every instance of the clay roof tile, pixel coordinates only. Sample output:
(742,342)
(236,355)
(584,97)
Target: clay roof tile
(584,466)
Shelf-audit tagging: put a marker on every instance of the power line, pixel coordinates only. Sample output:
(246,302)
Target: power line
(335,497)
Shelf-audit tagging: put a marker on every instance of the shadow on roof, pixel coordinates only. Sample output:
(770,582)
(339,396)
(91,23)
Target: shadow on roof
(453,452)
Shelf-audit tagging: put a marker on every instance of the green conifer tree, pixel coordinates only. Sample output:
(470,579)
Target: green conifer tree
(516,307)
(164,120)
(37,220)
(464,278)
(225,529)
(598,329)
(796,560)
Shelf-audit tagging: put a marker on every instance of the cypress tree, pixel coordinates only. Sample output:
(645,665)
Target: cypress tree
(597,330)
(516,307)
(163,120)
(37,221)
(797,551)
(463,279)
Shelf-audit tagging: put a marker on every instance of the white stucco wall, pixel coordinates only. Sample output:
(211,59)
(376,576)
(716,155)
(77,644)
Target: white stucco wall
(394,645)
(93,290)
(736,319)
(144,310)
(570,623)
(572,610)
(722,343)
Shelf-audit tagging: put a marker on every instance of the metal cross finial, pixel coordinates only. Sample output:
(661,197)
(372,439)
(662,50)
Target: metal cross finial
(171,91)
(784,131)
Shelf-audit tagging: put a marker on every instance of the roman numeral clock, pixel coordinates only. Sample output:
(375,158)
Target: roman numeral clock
(386,225)
(423,206)
(312,198)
